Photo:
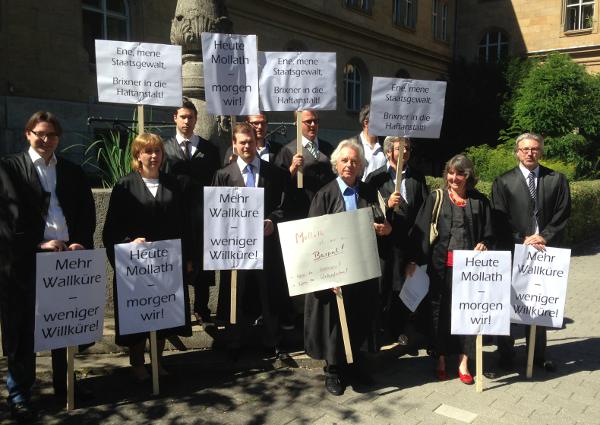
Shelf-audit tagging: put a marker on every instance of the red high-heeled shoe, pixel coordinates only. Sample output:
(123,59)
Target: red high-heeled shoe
(465,378)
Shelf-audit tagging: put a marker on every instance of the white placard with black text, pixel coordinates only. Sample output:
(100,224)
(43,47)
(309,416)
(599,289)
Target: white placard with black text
(293,81)
(539,285)
(233,228)
(230,73)
(149,286)
(70,298)
(480,293)
(410,108)
(138,73)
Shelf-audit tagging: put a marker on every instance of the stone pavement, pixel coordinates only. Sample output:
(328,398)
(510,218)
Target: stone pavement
(205,387)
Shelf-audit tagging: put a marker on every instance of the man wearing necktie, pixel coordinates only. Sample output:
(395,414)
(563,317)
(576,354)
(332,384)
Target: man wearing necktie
(260,292)
(531,205)
(194,161)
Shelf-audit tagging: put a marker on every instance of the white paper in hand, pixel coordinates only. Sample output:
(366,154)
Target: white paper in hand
(415,288)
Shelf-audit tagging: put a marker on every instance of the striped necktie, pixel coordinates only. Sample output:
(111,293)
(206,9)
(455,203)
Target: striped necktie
(312,148)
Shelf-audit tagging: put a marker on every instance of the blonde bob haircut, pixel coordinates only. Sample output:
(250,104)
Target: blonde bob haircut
(141,142)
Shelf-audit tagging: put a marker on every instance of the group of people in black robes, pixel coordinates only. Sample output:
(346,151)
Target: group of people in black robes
(47,205)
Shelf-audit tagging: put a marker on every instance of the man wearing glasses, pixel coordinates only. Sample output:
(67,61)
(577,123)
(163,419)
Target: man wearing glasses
(266,150)
(314,161)
(531,205)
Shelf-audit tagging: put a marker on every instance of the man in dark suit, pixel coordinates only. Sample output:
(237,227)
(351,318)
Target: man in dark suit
(402,207)
(531,205)
(56,212)
(374,154)
(260,291)
(267,151)
(194,161)
(314,161)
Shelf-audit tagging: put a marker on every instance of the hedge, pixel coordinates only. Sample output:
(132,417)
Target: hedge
(585,207)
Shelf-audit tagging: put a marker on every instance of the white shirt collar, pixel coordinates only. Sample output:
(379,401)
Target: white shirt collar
(242,164)
(526,172)
(367,146)
(305,141)
(35,157)
(193,140)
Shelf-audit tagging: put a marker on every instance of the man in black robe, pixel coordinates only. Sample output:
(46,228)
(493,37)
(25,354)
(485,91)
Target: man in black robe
(531,205)
(56,212)
(194,161)
(260,291)
(267,151)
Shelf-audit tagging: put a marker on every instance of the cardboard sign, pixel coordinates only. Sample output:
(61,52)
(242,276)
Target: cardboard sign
(70,298)
(328,251)
(149,286)
(230,73)
(294,81)
(409,108)
(138,73)
(539,285)
(481,293)
(233,228)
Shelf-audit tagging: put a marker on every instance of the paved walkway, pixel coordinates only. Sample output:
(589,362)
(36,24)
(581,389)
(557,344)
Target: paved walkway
(204,387)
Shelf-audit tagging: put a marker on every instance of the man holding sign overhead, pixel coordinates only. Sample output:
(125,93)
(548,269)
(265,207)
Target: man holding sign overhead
(531,205)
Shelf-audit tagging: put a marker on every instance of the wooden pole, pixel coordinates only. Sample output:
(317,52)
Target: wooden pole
(233,303)
(344,326)
(531,351)
(479,363)
(140,117)
(399,168)
(71,377)
(154,361)
(299,173)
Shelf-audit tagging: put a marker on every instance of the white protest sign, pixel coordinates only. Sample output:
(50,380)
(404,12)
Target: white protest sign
(415,288)
(138,73)
(328,251)
(230,73)
(539,285)
(410,108)
(149,286)
(233,228)
(480,293)
(70,298)
(294,81)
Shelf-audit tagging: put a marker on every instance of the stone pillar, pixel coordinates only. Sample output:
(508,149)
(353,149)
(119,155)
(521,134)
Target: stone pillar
(192,18)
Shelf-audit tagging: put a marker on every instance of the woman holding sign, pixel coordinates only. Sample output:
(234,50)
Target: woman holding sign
(463,222)
(146,206)
(322,330)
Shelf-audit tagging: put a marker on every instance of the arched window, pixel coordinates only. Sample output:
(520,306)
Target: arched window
(105,20)
(352,86)
(493,47)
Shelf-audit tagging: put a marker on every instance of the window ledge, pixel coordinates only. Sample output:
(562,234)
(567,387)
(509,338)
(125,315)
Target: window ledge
(578,32)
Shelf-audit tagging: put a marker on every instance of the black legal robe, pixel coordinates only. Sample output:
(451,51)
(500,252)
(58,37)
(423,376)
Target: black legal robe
(322,332)
(134,213)
(8,216)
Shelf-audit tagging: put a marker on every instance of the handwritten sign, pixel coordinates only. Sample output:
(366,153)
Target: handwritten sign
(293,81)
(138,73)
(410,108)
(70,298)
(328,251)
(481,293)
(539,285)
(149,286)
(233,228)
(230,73)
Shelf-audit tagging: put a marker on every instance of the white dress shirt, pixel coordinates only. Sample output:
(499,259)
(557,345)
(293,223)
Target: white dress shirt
(374,156)
(255,169)
(526,172)
(194,141)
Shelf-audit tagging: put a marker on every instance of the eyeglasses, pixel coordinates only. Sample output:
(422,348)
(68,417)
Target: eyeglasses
(532,150)
(311,122)
(45,136)
(257,123)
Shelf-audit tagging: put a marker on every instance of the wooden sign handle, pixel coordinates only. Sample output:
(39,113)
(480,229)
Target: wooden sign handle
(71,377)
(479,363)
(399,168)
(140,117)
(532,329)
(154,360)
(232,314)
(344,326)
(299,172)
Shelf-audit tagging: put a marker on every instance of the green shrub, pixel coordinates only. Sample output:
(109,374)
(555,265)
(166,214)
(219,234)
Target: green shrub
(491,162)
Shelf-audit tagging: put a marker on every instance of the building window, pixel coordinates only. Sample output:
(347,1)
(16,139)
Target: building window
(352,87)
(439,20)
(361,5)
(104,20)
(405,13)
(493,47)
(579,15)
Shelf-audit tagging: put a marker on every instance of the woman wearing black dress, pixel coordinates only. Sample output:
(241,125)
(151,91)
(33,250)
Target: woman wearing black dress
(146,206)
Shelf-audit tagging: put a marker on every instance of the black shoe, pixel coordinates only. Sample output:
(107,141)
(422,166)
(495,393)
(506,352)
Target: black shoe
(22,412)
(281,354)
(333,383)
(547,365)
(357,375)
